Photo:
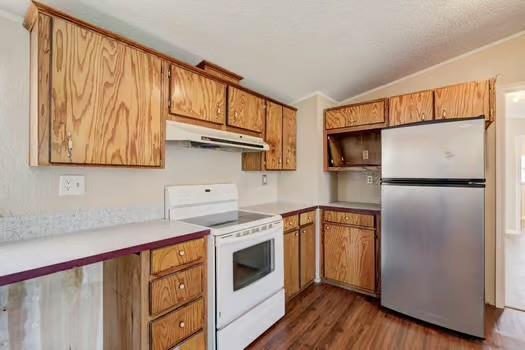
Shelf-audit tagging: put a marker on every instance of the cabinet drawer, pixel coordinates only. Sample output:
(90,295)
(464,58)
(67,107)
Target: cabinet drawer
(169,258)
(169,330)
(176,289)
(196,342)
(290,222)
(307,218)
(349,218)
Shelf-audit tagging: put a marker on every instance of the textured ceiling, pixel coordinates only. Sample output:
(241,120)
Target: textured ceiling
(288,49)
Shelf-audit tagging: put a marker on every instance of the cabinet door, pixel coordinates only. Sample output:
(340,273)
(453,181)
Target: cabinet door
(349,256)
(307,243)
(291,263)
(106,100)
(463,100)
(411,108)
(289,138)
(195,96)
(355,115)
(274,133)
(245,111)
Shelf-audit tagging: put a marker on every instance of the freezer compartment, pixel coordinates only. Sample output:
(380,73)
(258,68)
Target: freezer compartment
(444,150)
(432,254)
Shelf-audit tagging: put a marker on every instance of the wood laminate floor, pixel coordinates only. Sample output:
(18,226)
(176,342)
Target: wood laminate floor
(327,317)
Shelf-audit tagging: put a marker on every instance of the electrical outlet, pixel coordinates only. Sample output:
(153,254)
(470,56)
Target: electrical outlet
(369,179)
(365,154)
(265,179)
(72,185)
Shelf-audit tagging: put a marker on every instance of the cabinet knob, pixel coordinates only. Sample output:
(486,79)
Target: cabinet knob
(182,324)
(287,161)
(326,227)
(297,233)
(423,116)
(182,286)
(182,252)
(218,110)
(444,114)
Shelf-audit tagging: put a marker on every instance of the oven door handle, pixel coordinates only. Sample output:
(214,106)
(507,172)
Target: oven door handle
(232,239)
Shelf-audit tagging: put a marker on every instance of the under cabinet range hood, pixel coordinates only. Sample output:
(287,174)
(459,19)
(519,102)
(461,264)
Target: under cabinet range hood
(201,137)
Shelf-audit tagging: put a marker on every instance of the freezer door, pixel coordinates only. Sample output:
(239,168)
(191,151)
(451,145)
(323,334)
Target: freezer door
(432,254)
(446,150)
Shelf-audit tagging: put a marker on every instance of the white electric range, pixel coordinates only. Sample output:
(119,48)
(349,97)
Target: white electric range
(245,250)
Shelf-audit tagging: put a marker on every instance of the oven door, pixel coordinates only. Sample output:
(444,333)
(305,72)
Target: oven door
(249,269)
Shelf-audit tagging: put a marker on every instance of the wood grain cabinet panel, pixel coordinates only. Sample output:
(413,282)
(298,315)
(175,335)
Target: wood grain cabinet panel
(245,110)
(355,115)
(307,218)
(274,136)
(307,254)
(467,100)
(175,289)
(291,264)
(411,108)
(290,222)
(195,342)
(289,139)
(105,100)
(170,258)
(348,218)
(349,256)
(170,329)
(195,96)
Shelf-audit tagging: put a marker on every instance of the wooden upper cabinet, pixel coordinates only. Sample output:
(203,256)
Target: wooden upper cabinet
(349,256)
(245,110)
(195,96)
(105,100)
(356,115)
(274,136)
(466,100)
(289,139)
(411,108)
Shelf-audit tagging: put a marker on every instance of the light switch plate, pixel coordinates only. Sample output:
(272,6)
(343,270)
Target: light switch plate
(369,179)
(72,185)
(265,179)
(365,154)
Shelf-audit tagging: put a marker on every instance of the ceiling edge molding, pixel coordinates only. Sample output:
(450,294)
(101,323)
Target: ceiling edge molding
(11,16)
(456,58)
(312,94)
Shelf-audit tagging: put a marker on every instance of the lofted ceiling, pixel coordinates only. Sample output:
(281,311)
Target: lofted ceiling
(288,49)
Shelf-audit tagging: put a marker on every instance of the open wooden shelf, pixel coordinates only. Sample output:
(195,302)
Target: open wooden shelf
(353,151)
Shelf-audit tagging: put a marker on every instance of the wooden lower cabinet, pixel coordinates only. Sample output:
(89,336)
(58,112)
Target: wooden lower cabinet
(350,253)
(299,254)
(145,311)
(307,255)
(291,264)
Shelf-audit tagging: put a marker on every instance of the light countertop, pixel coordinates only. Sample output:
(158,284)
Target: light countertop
(21,260)
(354,205)
(280,208)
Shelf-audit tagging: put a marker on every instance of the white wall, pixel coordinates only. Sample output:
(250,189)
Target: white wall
(309,183)
(353,186)
(514,134)
(25,190)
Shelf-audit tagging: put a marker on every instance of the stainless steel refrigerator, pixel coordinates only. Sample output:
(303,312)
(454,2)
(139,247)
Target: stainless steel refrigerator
(432,223)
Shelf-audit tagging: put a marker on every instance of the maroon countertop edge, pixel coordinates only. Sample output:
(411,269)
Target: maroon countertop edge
(66,265)
(299,211)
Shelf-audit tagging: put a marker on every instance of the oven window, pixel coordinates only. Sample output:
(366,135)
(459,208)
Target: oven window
(252,263)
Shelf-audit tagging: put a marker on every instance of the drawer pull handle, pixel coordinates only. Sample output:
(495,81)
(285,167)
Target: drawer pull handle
(182,286)
(182,252)
(182,324)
